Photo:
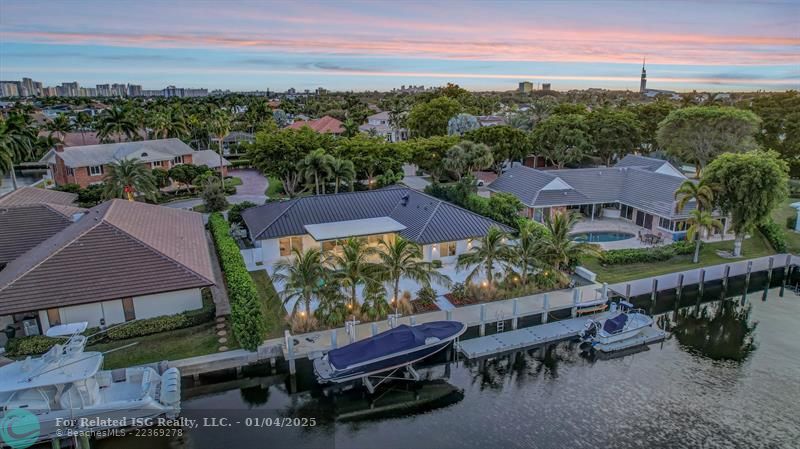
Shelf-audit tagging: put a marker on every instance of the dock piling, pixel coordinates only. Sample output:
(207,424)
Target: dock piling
(514,313)
(679,288)
(545,307)
(769,279)
(374,329)
(334,336)
(412,321)
(290,351)
(786,271)
(747,280)
(701,284)
(627,292)
(653,296)
(727,273)
(482,329)
(448,315)
(575,300)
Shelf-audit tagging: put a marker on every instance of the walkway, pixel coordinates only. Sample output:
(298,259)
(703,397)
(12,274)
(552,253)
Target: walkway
(218,291)
(690,277)
(443,303)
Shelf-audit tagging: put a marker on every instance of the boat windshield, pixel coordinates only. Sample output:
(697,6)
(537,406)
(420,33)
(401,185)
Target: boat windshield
(615,324)
(399,339)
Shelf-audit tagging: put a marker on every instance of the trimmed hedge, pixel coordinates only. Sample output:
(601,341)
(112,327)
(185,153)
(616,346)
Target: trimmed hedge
(643,255)
(774,235)
(246,312)
(31,345)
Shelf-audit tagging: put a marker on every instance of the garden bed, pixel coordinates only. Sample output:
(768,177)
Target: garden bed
(461,302)
(423,307)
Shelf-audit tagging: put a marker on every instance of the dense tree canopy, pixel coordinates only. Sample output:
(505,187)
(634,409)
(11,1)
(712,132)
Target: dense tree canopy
(506,143)
(431,118)
(614,133)
(562,139)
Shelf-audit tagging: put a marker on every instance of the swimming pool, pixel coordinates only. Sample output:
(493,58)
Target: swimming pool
(601,236)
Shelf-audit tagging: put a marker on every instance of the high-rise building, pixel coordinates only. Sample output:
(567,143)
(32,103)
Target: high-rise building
(37,87)
(134,90)
(10,88)
(103,90)
(70,89)
(525,86)
(545,86)
(27,88)
(643,82)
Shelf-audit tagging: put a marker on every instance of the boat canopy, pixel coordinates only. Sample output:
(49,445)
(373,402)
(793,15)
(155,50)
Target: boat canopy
(615,324)
(44,371)
(399,339)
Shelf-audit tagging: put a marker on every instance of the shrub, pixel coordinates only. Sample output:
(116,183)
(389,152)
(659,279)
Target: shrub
(214,196)
(774,235)
(31,345)
(426,295)
(643,255)
(246,312)
(240,163)
(791,222)
(436,263)
(147,326)
(235,214)
(459,291)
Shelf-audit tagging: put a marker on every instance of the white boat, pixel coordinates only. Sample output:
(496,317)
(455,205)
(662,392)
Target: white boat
(623,322)
(67,391)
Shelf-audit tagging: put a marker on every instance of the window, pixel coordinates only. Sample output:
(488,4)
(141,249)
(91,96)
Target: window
(664,223)
(177,160)
(447,249)
(287,244)
(157,163)
(331,245)
(626,212)
(96,170)
(127,309)
(70,171)
(680,226)
(53,317)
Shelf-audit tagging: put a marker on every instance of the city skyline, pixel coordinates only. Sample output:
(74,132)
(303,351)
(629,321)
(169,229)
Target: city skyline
(375,46)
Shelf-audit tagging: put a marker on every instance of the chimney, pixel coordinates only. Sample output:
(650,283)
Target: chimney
(59,147)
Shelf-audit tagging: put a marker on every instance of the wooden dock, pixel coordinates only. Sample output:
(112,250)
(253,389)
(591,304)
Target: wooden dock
(523,338)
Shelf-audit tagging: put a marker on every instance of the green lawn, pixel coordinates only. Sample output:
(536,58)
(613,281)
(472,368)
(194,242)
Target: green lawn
(271,305)
(753,247)
(171,345)
(234,181)
(275,188)
(780,215)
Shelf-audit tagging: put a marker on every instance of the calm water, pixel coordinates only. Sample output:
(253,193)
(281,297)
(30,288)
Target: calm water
(727,377)
(602,236)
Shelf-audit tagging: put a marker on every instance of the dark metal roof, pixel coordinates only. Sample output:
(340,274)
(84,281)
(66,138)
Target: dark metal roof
(524,182)
(23,227)
(648,163)
(427,219)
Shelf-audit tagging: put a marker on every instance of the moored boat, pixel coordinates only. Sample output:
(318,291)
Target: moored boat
(623,322)
(388,351)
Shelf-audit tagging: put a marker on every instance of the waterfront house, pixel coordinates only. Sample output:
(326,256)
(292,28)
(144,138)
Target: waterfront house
(323,221)
(86,165)
(323,125)
(118,262)
(380,125)
(639,190)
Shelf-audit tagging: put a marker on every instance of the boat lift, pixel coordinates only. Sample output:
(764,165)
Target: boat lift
(411,375)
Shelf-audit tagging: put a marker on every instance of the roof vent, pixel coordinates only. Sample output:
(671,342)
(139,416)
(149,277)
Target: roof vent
(144,154)
(404,200)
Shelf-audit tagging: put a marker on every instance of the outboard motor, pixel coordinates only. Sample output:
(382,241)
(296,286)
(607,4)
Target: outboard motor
(589,330)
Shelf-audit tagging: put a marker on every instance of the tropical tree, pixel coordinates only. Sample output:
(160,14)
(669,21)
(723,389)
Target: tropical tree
(562,139)
(525,254)
(316,166)
(220,127)
(374,305)
(342,171)
(431,118)
(486,253)
(352,267)
(557,248)
(649,115)
(466,157)
(614,133)
(749,186)
(350,128)
(126,177)
(700,192)
(213,196)
(700,222)
(83,122)
(15,146)
(402,259)
(59,126)
(506,143)
(462,123)
(302,276)
(117,121)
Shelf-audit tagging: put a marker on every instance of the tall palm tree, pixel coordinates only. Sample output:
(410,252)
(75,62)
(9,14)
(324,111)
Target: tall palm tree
(316,165)
(59,126)
(117,121)
(700,222)
(220,127)
(402,259)
(83,122)
(15,146)
(702,193)
(487,252)
(158,121)
(343,171)
(178,126)
(350,128)
(126,177)
(525,254)
(302,277)
(352,267)
(557,248)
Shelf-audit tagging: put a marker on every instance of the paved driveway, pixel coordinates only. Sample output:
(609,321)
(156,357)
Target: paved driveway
(253,188)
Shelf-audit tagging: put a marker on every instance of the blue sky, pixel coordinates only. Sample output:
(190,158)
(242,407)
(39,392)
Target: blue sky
(379,45)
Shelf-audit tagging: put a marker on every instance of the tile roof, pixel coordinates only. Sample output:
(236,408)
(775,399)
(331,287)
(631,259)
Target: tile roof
(22,227)
(209,158)
(427,219)
(118,249)
(326,124)
(33,195)
(146,150)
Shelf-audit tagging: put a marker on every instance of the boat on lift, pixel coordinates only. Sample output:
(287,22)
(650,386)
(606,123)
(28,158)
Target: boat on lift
(623,323)
(388,351)
(67,390)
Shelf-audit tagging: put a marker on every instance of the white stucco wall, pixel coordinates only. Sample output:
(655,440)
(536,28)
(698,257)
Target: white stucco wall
(169,303)
(433,251)
(91,313)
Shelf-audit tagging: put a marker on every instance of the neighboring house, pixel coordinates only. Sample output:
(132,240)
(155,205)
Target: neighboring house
(380,125)
(638,189)
(326,124)
(121,261)
(234,139)
(29,216)
(323,221)
(85,165)
(490,120)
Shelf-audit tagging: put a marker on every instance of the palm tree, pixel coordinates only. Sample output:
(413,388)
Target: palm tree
(556,247)
(302,278)
(83,121)
(525,254)
(15,146)
(59,126)
(351,267)
(158,122)
(342,171)
(350,128)
(701,193)
(375,306)
(700,222)
(220,127)
(178,126)
(317,163)
(402,259)
(485,253)
(117,121)
(126,177)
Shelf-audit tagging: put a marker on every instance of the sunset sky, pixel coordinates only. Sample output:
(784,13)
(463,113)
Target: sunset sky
(487,45)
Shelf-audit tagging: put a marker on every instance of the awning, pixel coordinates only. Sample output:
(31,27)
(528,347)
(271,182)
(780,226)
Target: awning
(353,228)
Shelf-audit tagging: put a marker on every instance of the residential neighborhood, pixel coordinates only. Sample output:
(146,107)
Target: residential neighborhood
(312,225)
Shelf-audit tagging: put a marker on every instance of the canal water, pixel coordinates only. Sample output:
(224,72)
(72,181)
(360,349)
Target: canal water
(728,376)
